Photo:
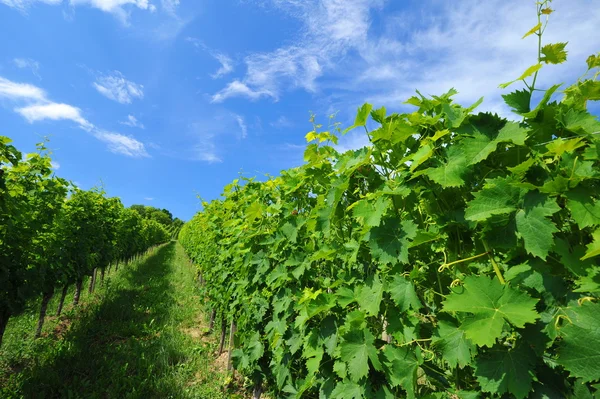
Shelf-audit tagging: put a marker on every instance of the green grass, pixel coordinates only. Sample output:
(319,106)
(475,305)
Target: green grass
(136,337)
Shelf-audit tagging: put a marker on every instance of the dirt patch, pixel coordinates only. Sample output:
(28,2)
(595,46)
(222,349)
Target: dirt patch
(62,328)
(199,331)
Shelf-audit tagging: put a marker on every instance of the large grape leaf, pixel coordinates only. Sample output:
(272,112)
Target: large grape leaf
(491,305)
(356,350)
(497,197)
(554,53)
(518,100)
(370,212)
(348,390)
(501,370)
(401,366)
(403,294)
(389,242)
(534,226)
(452,342)
(370,295)
(450,174)
(584,209)
(481,142)
(579,349)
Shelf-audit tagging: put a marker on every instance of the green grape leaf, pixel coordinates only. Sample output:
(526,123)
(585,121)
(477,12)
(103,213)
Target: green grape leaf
(502,370)
(348,390)
(579,349)
(593,249)
(491,305)
(254,211)
(533,30)
(370,295)
(479,145)
(369,212)
(422,155)
(400,366)
(554,53)
(456,115)
(518,100)
(547,95)
(593,61)
(584,209)
(456,348)
(534,226)
(581,121)
(361,117)
(451,173)
(497,197)
(403,294)
(389,242)
(290,231)
(528,72)
(356,349)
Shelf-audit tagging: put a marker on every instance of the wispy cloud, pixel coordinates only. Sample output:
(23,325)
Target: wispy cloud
(170,6)
(35,106)
(226,66)
(121,144)
(121,9)
(281,122)
(115,87)
(240,89)
(149,198)
(55,165)
(205,149)
(331,28)
(28,63)
(22,5)
(470,45)
(225,61)
(132,122)
(242,124)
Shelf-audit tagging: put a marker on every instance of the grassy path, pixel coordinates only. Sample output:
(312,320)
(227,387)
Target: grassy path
(136,337)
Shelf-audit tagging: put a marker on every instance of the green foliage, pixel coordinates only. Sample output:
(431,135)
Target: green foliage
(53,234)
(457,254)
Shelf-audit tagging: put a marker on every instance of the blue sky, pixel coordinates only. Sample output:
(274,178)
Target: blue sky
(164,100)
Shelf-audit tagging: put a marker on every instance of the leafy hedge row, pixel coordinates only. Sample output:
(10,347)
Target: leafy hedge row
(53,234)
(454,257)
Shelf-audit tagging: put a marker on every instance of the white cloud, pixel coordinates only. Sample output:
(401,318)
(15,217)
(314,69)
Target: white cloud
(53,111)
(116,7)
(20,91)
(225,61)
(55,165)
(470,45)
(331,29)
(121,144)
(473,46)
(148,198)
(35,106)
(170,6)
(242,124)
(22,5)
(240,89)
(117,88)
(28,63)
(226,65)
(132,122)
(119,8)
